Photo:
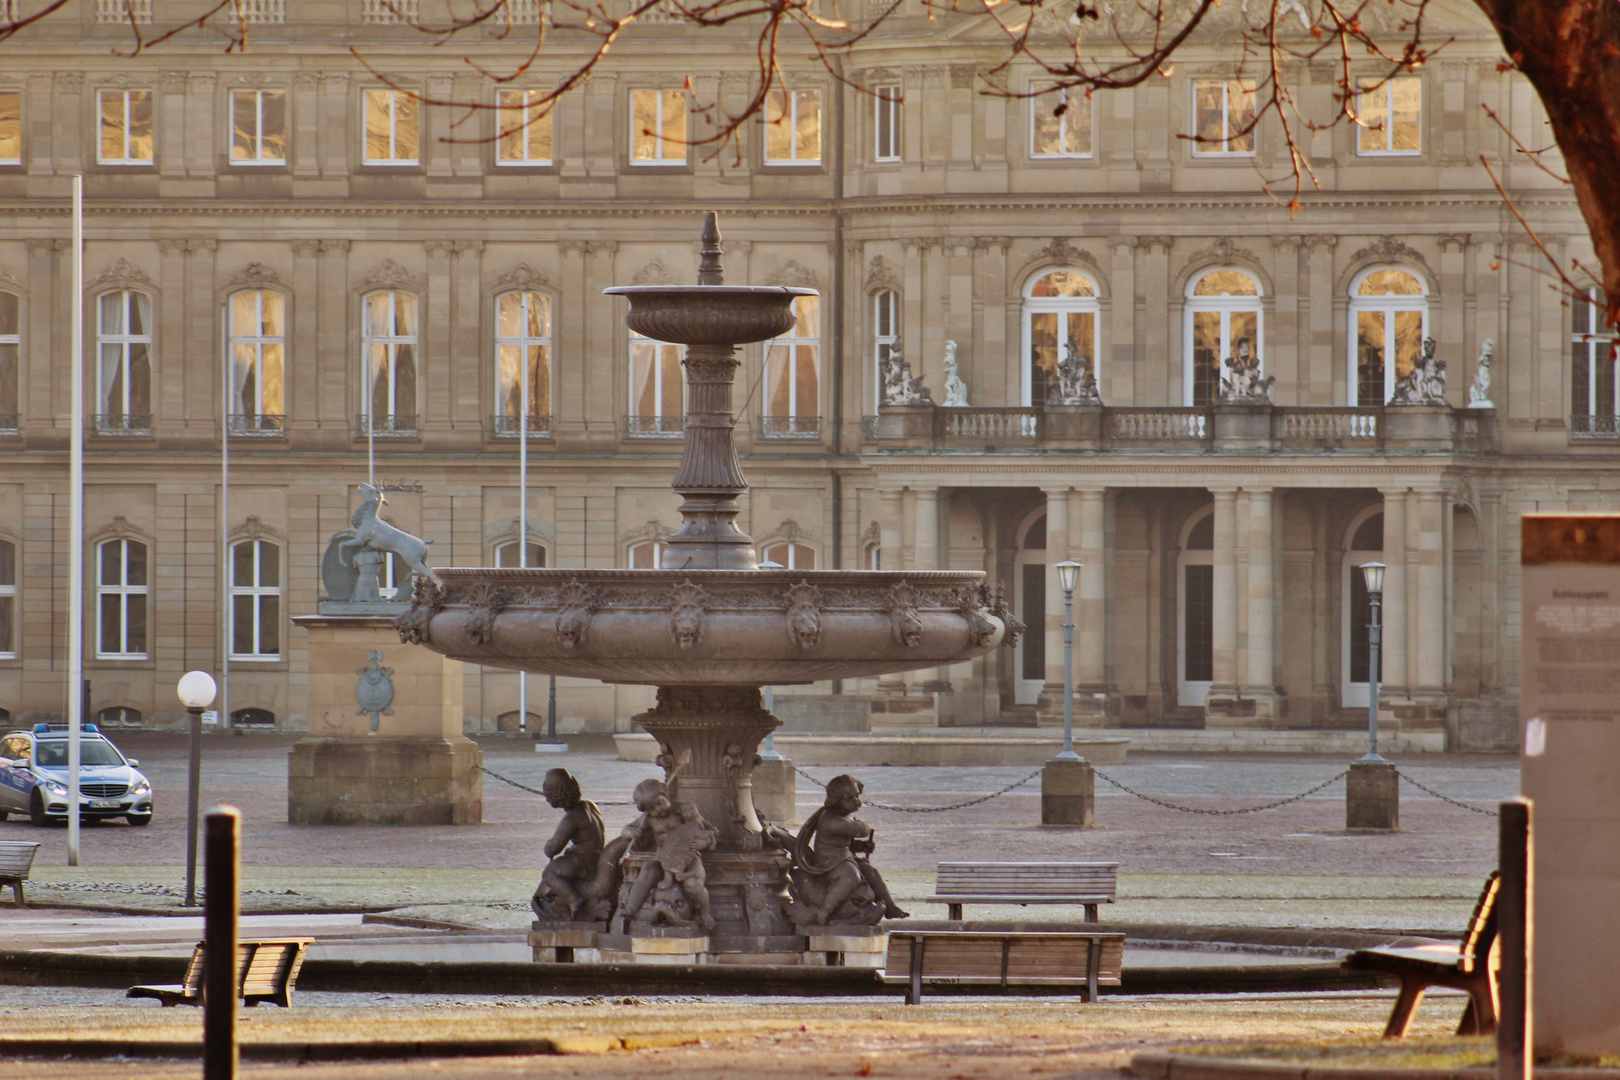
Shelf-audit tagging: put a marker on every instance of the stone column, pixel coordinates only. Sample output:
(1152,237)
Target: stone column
(927,534)
(1155,289)
(1427,581)
(1222,709)
(337,125)
(1323,335)
(39,120)
(304,134)
(200,129)
(1088,545)
(169,113)
(1120,372)
(1392,654)
(1259,678)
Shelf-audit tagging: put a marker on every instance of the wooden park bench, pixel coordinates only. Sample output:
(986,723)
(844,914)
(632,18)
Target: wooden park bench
(1088,883)
(265,971)
(16,859)
(1004,958)
(1470,966)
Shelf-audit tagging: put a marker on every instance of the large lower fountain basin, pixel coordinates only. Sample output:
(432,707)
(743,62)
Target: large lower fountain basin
(707,627)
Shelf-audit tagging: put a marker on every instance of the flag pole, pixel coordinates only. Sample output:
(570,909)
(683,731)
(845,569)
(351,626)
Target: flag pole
(75,701)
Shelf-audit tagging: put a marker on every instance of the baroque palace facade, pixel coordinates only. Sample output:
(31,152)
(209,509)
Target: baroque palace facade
(279,236)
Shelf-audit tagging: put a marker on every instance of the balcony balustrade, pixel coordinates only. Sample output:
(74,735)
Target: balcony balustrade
(654,427)
(508,427)
(269,424)
(790,427)
(1189,430)
(1583,426)
(386,425)
(122,423)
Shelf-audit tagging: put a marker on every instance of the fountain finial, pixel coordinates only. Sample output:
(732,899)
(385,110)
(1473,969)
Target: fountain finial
(709,272)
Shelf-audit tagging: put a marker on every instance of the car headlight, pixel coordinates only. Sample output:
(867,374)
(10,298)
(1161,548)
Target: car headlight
(142,788)
(55,788)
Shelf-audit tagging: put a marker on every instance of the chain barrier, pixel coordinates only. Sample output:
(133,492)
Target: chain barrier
(931,809)
(1445,798)
(537,791)
(1221,813)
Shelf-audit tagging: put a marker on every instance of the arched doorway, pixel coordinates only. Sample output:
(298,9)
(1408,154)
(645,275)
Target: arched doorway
(1364,544)
(1029,570)
(1195,610)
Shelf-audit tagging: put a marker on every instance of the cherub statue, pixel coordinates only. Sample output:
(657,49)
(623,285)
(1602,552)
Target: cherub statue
(582,878)
(955,388)
(1076,382)
(832,879)
(899,388)
(678,835)
(1245,386)
(1479,396)
(1425,384)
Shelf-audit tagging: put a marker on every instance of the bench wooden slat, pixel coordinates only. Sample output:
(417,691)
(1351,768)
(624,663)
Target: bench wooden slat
(1087,883)
(266,970)
(1010,958)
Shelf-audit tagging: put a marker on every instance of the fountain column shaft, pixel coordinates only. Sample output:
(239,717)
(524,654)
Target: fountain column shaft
(710,477)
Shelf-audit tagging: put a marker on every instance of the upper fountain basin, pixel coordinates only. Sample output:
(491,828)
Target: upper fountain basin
(707,627)
(710,314)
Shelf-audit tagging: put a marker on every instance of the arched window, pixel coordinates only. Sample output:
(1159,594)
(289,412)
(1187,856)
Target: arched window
(792,555)
(1389,316)
(647,555)
(1223,309)
(509,556)
(873,559)
(1060,312)
(257,340)
(1195,613)
(252,718)
(657,391)
(389,344)
(1366,544)
(8,599)
(124,363)
(1594,389)
(255,600)
(885,332)
(10,359)
(522,342)
(121,592)
(793,377)
(119,716)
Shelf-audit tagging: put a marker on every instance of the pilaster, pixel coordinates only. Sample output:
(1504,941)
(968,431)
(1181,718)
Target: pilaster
(303,370)
(435,362)
(333,356)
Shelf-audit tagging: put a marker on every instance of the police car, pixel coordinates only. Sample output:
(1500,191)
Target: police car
(34,777)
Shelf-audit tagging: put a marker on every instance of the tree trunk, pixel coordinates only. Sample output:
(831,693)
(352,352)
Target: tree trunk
(1570,52)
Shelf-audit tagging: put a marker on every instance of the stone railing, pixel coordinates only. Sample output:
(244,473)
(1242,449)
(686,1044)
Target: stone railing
(1245,429)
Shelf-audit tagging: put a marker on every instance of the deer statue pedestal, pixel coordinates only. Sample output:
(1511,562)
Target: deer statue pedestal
(385,745)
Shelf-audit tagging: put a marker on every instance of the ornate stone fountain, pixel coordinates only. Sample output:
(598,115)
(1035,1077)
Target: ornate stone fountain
(708,630)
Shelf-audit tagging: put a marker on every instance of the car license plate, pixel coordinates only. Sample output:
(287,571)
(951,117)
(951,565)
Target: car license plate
(104,804)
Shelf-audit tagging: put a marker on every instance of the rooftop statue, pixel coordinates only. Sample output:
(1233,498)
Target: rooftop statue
(899,388)
(1076,380)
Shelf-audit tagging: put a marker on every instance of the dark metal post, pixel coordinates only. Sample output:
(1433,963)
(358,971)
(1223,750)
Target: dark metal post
(194,781)
(1375,635)
(223,837)
(1515,915)
(1068,753)
(551,711)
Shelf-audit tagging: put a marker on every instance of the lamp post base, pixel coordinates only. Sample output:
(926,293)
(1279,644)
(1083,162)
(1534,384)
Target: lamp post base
(1068,793)
(1372,796)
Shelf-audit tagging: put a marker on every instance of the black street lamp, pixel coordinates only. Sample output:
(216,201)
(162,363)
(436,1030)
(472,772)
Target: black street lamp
(196,692)
(1373,574)
(1068,577)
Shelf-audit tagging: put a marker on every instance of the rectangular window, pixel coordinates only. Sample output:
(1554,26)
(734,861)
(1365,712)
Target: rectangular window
(793,127)
(391,117)
(658,127)
(258,127)
(793,377)
(524,131)
(1594,387)
(121,593)
(886,124)
(1224,118)
(8,599)
(388,340)
(126,127)
(255,600)
(657,402)
(257,341)
(10,358)
(10,127)
(124,363)
(1060,124)
(1390,113)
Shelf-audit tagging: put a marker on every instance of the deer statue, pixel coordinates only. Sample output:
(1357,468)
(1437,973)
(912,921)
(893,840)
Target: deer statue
(371,531)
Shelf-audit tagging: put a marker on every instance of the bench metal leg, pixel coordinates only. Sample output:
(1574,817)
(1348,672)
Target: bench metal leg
(17,893)
(1406,1003)
(1479,1016)
(914,989)
(1093,960)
